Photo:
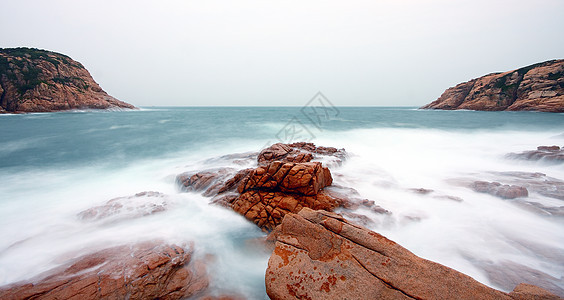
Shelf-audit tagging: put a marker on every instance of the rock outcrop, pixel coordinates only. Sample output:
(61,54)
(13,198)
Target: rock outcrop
(320,255)
(149,270)
(538,87)
(285,181)
(33,80)
(269,192)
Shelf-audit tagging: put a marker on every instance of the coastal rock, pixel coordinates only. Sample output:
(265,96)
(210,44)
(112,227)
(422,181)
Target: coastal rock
(285,181)
(534,182)
(300,178)
(210,182)
(267,209)
(299,153)
(545,210)
(525,291)
(537,87)
(500,190)
(147,270)
(139,205)
(320,255)
(283,152)
(33,80)
(271,191)
(547,153)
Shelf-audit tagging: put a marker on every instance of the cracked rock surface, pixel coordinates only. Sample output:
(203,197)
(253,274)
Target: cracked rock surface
(320,255)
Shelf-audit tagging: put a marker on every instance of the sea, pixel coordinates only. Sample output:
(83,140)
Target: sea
(417,164)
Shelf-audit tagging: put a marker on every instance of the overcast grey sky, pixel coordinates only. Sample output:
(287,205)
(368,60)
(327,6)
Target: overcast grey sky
(262,52)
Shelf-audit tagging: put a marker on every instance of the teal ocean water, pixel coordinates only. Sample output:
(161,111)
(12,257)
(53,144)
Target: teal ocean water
(55,165)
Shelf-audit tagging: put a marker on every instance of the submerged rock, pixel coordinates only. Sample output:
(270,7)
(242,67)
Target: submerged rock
(320,255)
(147,270)
(525,291)
(547,153)
(138,205)
(500,190)
(508,274)
(211,182)
(537,87)
(33,80)
(535,182)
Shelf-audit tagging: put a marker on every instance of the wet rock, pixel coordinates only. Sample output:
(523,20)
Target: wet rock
(203,180)
(225,200)
(212,182)
(358,218)
(538,208)
(300,178)
(508,275)
(548,148)
(267,209)
(147,270)
(424,191)
(283,152)
(271,191)
(138,205)
(448,197)
(421,191)
(299,153)
(320,255)
(546,153)
(500,190)
(234,158)
(535,182)
(527,291)
(285,181)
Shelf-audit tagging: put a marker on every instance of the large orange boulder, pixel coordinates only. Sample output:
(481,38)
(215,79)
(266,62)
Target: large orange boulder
(299,178)
(320,255)
(147,270)
(271,191)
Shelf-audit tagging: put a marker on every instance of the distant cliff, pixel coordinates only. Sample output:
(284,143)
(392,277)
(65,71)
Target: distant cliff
(33,80)
(537,87)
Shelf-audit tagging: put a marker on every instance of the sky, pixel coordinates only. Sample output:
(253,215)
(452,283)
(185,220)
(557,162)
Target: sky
(277,53)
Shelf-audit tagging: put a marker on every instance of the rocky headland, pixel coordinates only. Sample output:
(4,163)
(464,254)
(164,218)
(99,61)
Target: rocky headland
(538,87)
(33,80)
